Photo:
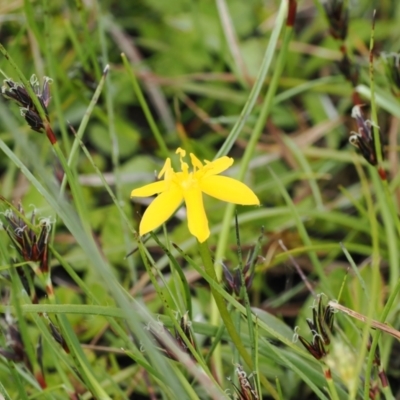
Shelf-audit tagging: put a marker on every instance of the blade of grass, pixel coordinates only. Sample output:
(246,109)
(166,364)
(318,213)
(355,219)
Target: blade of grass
(146,110)
(115,154)
(325,287)
(266,107)
(234,134)
(259,83)
(307,169)
(51,63)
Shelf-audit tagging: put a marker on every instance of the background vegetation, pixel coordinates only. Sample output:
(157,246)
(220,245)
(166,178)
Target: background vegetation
(242,78)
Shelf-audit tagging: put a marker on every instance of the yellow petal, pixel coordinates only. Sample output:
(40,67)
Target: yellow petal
(162,207)
(149,190)
(197,218)
(195,161)
(228,189)
(218,166)
(166,170)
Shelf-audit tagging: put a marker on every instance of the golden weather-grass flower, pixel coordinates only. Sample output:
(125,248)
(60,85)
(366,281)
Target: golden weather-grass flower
(189,186)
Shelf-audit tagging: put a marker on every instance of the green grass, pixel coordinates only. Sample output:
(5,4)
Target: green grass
(116,316)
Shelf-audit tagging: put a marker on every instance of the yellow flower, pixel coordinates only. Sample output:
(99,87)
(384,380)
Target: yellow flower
(189,186)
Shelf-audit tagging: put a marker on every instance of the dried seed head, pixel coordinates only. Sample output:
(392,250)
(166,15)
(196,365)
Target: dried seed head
(17,92)
(233,280)
(245,391)
(31,242)
(321,328)
(364,138)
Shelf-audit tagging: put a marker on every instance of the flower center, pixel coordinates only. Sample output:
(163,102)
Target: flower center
(187,179)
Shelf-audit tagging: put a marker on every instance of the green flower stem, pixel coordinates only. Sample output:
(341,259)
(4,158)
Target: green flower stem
(374,114)
(392,211)
(266,107)
(53,66)
(75,189)
(387,392)
(258,129)
(331,384)
(226,318)
(259,83)
(244,295)
(236,321)
(169,308)
(145,108)
(112,110)
(220,302)
(376,335)
(79,134)
(375,261)
(378,151)
(215,343)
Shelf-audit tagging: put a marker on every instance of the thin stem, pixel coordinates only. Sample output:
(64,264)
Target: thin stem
(331,384)
(225,229)
(145,108)
(249,152)
(375,261)
(224,313)
(83,125)
(374,114)
(51,65)
(264,69)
